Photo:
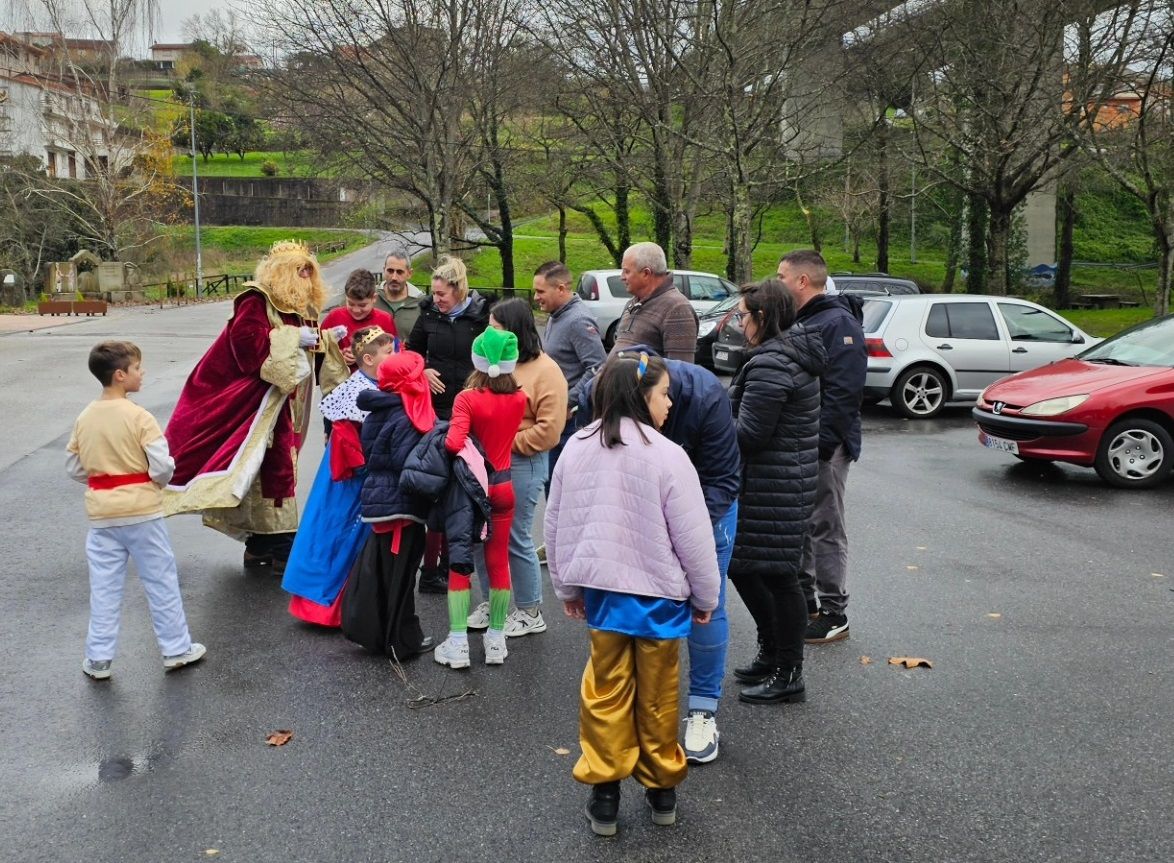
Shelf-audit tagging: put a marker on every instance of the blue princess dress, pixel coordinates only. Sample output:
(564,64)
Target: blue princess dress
(331,534)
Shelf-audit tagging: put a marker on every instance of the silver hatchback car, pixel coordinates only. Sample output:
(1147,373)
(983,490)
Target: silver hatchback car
(606,295)
(927,350)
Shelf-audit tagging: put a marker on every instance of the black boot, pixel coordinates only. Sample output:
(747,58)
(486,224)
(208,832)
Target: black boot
(785,683)
(603,808)
(663,803)
(760,666)
(433,580)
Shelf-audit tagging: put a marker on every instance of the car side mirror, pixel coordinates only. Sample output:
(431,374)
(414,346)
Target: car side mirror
(1077,339)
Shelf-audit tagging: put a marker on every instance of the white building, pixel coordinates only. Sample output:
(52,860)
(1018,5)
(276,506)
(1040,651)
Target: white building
(46,116)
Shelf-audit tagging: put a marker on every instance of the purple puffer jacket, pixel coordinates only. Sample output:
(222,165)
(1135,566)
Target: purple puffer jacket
(630,519)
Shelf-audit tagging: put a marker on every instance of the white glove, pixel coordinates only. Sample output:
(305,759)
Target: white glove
(308,337)
(338,333)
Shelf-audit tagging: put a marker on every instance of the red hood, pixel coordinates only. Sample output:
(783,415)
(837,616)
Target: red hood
(1065,378)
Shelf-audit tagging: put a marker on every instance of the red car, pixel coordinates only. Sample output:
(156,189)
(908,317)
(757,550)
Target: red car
(1111,408)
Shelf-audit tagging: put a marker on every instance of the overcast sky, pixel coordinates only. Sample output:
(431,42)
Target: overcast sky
(14,15)
(172,14)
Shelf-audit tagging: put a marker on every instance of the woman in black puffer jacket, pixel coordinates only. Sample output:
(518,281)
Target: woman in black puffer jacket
(451,317)
(775,397)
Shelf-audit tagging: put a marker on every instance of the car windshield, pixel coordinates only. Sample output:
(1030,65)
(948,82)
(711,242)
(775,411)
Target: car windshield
(721,308)
(874,313)
(1148,344)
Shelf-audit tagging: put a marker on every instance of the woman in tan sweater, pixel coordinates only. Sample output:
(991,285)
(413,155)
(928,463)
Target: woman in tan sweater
(541,428)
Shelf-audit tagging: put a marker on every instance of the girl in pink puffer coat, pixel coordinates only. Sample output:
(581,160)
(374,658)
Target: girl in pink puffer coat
(630,550)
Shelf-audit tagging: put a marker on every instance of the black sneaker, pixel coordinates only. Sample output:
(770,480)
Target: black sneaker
(663,803)
(827,628)
(603,808)
(433,581)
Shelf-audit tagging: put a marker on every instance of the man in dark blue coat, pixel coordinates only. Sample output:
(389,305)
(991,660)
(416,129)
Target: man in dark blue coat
(824,570)
(702,424)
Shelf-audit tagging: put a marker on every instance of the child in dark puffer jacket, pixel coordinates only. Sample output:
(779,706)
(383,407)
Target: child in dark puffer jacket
(379,610)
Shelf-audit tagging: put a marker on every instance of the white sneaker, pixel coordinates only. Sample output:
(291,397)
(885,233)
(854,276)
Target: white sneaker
(495,650)
(479,618)
(195,654)
(96,669)
(701,737)
(454,654)
(523,623)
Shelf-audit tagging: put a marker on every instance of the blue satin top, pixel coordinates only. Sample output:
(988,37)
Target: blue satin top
(637,616)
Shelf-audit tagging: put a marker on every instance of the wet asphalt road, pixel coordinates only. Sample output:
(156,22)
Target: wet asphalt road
(1041,734)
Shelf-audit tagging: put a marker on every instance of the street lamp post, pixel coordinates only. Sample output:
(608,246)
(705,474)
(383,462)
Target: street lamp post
(196,195)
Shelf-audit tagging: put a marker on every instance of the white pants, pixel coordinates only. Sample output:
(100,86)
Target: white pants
(107,550)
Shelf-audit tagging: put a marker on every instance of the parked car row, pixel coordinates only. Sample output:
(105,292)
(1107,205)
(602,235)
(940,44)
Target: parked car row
(1043,389)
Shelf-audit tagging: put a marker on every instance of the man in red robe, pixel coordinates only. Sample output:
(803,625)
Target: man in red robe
(241,418)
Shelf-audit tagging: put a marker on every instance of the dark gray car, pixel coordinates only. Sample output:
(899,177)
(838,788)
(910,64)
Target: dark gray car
(729,347)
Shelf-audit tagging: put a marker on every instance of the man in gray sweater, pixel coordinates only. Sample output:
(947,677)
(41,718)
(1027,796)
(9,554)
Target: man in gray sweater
(571,339)
(658,314)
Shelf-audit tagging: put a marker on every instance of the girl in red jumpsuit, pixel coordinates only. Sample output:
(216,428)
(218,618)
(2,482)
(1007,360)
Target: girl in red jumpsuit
(490,409)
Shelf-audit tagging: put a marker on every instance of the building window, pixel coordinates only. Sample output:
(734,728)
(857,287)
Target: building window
(72,166)
(52,163)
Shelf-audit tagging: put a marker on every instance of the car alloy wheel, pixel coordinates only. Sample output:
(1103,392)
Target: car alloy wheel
(920,393)
(1135,453)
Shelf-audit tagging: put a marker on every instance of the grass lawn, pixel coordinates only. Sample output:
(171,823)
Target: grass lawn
(220,165)
(1107,322)
(235,250)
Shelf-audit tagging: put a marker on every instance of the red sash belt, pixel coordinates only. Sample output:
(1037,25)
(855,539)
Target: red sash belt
(106,481)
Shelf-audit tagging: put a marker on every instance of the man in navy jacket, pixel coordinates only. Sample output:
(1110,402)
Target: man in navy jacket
(702,423)
(824,570)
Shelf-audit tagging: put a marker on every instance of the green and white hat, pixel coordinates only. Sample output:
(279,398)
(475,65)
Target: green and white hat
(495,352)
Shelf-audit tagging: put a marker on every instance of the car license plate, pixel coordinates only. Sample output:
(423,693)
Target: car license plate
(991,442)
(721,355)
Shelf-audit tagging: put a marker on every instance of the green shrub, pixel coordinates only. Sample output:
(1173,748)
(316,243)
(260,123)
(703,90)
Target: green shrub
(269,168)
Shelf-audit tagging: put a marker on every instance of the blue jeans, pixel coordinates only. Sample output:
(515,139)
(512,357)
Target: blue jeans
(528,475)
(709,642)
(570,428)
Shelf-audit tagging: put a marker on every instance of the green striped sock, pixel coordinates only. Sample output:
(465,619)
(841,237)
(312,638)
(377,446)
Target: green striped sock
(458,610)
(499,607)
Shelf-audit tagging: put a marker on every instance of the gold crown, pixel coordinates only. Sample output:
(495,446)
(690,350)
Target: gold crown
(284,247)
(371,335)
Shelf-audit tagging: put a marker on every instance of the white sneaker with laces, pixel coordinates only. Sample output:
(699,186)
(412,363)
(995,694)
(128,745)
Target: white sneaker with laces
(521,623)
(454,654)
(195,654)
(495,649)
(701,737)
(479,618)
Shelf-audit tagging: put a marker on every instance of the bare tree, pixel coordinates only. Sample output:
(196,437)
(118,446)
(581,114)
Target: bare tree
(381,87)
(1138,149)
(116,181)
(224,31)
(1003,84)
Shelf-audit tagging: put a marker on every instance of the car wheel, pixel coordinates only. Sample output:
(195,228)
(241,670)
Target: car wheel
(1135,453)
(609,338)
(920,393)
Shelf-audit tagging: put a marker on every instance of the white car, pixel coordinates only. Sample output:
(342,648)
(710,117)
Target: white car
(930,349)
(606,295)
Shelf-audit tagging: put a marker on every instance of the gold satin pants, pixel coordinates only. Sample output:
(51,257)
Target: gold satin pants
(628,712)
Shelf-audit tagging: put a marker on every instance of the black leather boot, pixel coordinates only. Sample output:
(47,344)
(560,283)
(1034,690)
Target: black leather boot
(603,808)
(663,804)
(760,667)
(785,683)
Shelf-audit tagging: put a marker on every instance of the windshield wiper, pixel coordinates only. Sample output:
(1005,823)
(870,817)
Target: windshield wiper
(1110,361)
